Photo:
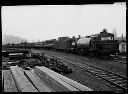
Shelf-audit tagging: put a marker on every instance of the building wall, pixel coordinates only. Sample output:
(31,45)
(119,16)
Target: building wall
(122,47)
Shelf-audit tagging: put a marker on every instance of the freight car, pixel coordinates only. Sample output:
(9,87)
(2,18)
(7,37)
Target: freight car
(65,44)
(49,44)
(62,44)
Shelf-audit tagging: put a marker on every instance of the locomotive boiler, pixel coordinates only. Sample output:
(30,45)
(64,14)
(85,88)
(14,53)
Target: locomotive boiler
(83,43)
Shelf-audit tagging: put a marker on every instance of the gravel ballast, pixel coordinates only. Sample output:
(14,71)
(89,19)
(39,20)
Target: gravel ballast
(88,79)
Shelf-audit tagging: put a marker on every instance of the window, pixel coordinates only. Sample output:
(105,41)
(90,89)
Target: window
(123,47)
(106,38)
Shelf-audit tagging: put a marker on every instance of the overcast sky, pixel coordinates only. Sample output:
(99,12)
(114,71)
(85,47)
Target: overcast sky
(53,21)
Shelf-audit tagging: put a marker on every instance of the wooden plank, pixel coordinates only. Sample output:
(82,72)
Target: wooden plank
(57,84)
(42,81)
(8,82)
(72,82)
(67,80)
(37,83)
(53,81)
(48,81)
(23,84)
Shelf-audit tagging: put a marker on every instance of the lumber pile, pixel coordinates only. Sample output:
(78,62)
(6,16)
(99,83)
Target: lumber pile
(42,79)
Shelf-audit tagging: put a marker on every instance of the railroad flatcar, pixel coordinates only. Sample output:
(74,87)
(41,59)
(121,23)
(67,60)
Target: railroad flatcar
(49,44)
(62,44)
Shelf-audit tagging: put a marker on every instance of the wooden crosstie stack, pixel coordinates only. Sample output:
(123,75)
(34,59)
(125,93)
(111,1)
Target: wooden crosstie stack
(42,79)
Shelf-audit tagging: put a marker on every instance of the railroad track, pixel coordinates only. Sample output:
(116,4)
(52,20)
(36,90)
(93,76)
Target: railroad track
(119,81)
(81,59)
(116,60)
(119,60)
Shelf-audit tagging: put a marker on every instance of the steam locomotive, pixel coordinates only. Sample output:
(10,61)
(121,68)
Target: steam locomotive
(98,44)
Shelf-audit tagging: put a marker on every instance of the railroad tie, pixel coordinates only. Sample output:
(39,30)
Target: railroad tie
(37,83)
(23,84)
(56,83)
(8,82)
(55,80)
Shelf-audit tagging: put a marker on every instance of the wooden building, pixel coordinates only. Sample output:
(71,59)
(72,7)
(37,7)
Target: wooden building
(122,46)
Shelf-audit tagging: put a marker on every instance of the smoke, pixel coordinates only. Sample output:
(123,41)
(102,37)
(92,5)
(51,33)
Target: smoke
(114,32)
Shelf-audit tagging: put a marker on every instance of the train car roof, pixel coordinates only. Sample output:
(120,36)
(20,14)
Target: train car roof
(96,35)
(103,34)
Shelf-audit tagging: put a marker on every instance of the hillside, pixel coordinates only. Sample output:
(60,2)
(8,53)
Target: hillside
(11,39)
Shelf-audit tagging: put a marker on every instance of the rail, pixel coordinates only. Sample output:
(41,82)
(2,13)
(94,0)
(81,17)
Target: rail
(120,81)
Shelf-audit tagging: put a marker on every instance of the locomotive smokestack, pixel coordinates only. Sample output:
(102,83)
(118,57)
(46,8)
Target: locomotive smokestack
(73,37)
(79,36)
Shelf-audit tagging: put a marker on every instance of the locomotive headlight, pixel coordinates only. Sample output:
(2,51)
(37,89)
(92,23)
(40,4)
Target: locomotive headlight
(73,43)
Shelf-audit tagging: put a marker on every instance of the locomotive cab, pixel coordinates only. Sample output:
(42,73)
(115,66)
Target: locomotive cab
(93,43)
(105,43)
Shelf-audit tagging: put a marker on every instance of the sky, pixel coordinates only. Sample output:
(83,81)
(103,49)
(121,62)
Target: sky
(43,22)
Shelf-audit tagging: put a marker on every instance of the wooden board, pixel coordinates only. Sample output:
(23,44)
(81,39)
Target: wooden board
(8,83)
(53,80)
(23,84)
(42,81)
(67,80)
(72,82)
(37,83)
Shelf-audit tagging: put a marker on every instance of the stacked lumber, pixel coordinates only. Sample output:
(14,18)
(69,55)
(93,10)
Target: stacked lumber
(8,84)
(42,79)
(59,82)
(22,83)
(40,85)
